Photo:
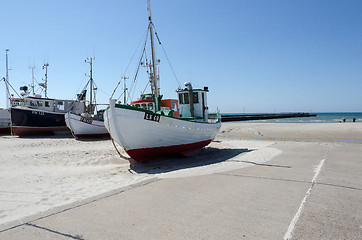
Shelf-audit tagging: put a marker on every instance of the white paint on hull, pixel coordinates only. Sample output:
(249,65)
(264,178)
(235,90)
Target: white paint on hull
(130,129)
(79,127)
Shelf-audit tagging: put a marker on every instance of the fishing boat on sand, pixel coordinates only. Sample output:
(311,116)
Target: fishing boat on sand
(152,127)
(41,115)
(87,124)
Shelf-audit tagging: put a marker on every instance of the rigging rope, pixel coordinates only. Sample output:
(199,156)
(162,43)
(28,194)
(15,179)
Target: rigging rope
(138,67)
(134,82)
(8,91)
(114,144)
(115,89)
(7,83)
(132,89)
(163,49)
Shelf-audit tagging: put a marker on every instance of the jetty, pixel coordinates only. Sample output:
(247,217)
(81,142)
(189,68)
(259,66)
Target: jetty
(248,117)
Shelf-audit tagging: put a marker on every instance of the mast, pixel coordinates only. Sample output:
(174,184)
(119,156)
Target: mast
(32,79)
(90,106)
(45,66)
(124,90)
(7,80)
(153,66)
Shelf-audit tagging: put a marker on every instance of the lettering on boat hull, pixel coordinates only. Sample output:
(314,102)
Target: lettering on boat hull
(152,117)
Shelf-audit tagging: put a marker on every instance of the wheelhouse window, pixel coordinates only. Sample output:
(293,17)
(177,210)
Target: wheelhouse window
(174,106)
(196,97)
(146,106)
(180,98)
(47,104)
(60,106)
(186,98)
(39,103)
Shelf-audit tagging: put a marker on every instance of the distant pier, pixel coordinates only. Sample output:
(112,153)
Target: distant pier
(248,117)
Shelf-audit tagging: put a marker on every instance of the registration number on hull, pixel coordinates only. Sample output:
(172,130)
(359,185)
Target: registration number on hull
(152,117)
(86,120)
(37,113)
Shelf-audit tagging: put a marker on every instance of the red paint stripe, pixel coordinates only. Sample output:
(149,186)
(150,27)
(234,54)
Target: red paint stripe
(142,101)
(90,136)
(34,131)
(145,154)
(5,130)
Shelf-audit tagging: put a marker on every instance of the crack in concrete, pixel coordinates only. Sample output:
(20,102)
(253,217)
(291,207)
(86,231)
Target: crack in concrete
(77,237)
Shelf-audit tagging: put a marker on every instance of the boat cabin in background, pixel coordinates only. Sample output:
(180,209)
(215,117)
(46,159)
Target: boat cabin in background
(17,102)
(169,107)
(54,105)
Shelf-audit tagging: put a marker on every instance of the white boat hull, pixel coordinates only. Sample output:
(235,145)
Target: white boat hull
(83,127)
(145,135)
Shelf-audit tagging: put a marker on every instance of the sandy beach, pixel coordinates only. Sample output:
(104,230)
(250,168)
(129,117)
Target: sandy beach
(43,175)
(294,131)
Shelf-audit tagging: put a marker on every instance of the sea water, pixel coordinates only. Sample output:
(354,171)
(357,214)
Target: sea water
(325,117)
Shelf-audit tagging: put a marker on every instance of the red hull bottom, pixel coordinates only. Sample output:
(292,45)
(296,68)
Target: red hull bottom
(146,154)
(92,136)
(39,131)
(5,130)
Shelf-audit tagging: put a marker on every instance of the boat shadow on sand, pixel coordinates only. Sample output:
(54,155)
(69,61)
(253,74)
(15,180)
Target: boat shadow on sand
(208,156)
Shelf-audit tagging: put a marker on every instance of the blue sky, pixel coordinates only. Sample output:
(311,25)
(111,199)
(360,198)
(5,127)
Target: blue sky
(255,56)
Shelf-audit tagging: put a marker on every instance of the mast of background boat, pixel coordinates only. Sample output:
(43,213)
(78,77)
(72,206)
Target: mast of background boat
(7,80)
(154,72)
(32,78)
(45,66)
(90,108)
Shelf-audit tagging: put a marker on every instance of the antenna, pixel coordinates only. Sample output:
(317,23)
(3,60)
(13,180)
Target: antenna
(32,78)
(45,66)
(7,80)
(90,106)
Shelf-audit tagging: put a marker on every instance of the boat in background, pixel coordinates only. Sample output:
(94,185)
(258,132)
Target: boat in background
(5,117)
(41,116)
(87,124)
(151,128)
(4,112)
(4,121)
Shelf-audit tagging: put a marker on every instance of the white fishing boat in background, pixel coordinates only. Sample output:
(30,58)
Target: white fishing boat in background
(87,124)
(151,127)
